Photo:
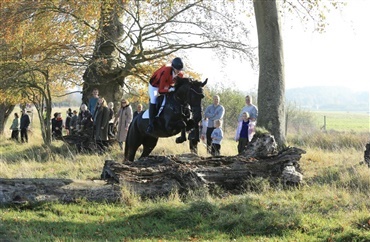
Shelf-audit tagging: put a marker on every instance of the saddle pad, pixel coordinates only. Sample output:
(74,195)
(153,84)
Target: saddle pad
(146,112)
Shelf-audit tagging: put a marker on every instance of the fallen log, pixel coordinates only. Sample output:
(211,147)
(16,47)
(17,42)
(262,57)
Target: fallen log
(160,175)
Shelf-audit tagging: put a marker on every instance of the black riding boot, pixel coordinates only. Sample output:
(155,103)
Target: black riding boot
(152,111)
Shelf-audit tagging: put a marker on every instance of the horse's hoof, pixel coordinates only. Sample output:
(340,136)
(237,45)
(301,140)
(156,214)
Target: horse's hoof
(180,140)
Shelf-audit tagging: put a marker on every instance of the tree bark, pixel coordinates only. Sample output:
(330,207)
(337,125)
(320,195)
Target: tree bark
(105,71)
(5,111)
(271,86)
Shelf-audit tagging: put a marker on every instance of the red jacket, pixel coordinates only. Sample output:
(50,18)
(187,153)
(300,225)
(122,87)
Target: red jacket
(163,79)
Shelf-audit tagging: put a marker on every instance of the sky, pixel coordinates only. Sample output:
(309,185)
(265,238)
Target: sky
(338,57)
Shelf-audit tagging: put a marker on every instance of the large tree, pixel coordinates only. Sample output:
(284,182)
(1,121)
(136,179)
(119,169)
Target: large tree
(271,85)
(136,36)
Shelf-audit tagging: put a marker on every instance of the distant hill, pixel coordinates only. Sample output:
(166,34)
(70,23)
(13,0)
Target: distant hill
(329,98)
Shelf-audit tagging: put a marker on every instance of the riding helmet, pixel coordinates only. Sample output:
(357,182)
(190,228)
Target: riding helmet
(177,64)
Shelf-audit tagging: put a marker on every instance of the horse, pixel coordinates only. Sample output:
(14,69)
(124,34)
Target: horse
(181,112)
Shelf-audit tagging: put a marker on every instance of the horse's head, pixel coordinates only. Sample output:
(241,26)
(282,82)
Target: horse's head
(191,92)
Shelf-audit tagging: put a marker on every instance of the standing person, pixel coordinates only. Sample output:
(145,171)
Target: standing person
(93,101)
(216,136)
(67,123)
(73,123)
(139,109)
(84,121)
(15,127)
(111,120)
(57,126)
(250,108)
(213,112)
(203,130)
(101,121)
(123,120)
(24,123)
(162,81)
(241,135)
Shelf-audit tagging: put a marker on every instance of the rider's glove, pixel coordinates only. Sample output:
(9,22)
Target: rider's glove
(171,89)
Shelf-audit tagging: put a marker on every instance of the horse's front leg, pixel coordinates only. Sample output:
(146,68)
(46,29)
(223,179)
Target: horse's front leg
(182,138)
(179,124)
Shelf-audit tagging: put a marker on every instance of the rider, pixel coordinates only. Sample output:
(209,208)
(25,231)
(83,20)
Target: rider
(162,82)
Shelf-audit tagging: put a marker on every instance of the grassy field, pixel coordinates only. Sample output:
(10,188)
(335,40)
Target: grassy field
(343,121)
(332,204)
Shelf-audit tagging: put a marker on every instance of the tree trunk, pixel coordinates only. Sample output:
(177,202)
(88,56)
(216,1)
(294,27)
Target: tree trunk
(105,71)
(271,86)
(5,110)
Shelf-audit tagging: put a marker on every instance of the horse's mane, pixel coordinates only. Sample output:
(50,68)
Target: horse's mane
(182,81)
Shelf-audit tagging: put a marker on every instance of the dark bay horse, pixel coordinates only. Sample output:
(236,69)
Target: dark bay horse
(182,111)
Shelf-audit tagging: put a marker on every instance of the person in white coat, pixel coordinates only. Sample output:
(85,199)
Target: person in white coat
(123,120)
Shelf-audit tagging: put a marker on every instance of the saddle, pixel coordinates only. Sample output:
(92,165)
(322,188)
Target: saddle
(161,102)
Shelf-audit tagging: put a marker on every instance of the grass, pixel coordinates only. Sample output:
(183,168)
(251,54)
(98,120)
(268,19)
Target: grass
(332,204)
(343,121)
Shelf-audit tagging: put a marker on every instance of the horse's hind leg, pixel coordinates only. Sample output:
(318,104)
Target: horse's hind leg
(148,145)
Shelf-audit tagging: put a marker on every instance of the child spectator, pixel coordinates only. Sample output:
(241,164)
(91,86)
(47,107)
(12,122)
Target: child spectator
(242,132)
(216,136)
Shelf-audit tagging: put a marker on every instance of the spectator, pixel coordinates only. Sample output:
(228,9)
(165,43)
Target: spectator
(101,121)
(203,130)
(139,109)
(73,122)
(122,121)
(241,135)
(15,127)
(250,108)
(93,101)
(57,126)
(84,121)
(24,123)
(67,123)
(216,136)
(111,120)
(213,112)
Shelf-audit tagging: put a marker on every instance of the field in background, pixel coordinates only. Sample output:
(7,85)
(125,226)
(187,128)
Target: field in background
(343,121)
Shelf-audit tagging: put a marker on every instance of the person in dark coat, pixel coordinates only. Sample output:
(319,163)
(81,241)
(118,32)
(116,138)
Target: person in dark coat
(25,122)
(84,121)
(67,124)
(15,127)
(73,123)
(101,121)
(57,126)
(139,109)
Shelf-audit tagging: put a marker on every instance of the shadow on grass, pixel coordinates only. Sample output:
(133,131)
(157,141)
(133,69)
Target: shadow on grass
(200,220)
